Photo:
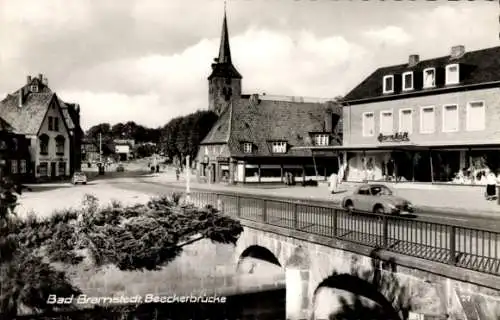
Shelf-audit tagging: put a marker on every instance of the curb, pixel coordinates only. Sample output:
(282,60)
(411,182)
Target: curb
(418,208)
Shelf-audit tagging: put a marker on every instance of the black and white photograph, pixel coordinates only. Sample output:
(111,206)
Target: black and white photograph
(250,159)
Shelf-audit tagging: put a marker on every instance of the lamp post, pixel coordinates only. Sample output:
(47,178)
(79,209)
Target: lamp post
(188,191)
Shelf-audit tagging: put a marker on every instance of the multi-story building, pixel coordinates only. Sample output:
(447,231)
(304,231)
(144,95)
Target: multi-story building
(430,120)
(259,137)
(51,127)
(14,154)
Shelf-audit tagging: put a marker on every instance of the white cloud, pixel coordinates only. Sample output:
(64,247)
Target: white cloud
(390,35)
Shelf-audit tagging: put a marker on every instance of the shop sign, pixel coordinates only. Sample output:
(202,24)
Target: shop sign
(222,159)
(396,137)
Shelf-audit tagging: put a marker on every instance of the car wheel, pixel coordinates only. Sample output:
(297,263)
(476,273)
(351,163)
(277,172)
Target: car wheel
(349,206)
(379,209)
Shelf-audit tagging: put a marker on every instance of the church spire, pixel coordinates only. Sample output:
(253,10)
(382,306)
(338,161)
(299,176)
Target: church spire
(224,50)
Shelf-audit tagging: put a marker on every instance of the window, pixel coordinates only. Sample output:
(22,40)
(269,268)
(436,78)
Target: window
(476,116)
(34,88)
(43,169)
(408,80)
(452,74)
(247,147)
(279,147)
(22,165)
(321,139)
(429,78)
(61,168)
(368,124)
(386,122)
(364,191)
(13,166)
(406,120)
(427,120)
(56,124)
(51,123)
(450,118)
(44,144)
(60,145)
(388,84)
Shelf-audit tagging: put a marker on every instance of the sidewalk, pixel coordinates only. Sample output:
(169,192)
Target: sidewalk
(429,198)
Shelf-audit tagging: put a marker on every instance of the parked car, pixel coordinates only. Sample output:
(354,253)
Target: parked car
(376,198)
(79,177)
(120,168)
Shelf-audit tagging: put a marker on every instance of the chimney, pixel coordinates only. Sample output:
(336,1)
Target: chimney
(45,81)
(457,51)
(413,60)
(254,99)
(40,76)
(20,98)
(28,79)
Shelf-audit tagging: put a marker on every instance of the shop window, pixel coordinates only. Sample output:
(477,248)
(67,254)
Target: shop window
(368,124)
(386,122)
(476,116)
(13,166)
(427,120)
(450,118)
(22,166)
(406,120)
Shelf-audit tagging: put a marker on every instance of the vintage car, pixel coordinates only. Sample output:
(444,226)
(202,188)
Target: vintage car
(79,177)
(376,198)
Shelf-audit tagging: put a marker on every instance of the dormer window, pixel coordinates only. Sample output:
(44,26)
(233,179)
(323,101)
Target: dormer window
(452,76)
(388,84)
(321,139)
(429,78)
(279,147)
(408,80)
(247,147)
(34,88)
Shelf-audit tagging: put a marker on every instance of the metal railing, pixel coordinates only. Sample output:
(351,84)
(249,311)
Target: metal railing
(468,248)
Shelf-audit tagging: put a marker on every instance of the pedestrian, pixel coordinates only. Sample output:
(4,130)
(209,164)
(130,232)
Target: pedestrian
(491,181)
(177,173)
(333,183)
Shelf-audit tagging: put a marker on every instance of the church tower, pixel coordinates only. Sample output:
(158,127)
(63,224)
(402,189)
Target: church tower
(224,84)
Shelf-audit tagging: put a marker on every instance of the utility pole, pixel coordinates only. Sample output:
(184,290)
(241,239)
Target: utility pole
(100,148)
(188,190)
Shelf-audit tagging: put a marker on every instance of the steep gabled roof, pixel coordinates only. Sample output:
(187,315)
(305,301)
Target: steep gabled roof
(476,67)
(262,121)
(29,118)
(66,115)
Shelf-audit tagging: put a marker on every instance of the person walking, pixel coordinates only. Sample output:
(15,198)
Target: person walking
(177,173)
(333,183)
(491,182)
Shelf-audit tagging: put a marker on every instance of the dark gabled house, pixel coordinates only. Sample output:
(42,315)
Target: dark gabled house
(14,154)
(257,137)
(426,120)
(50,126)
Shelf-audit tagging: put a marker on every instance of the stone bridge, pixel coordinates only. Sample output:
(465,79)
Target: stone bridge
(322,276)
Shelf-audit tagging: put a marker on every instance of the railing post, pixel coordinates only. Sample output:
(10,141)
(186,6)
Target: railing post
(295,216)
(453,231)
(264,210)
(334,223)
(238,206)
(385,231)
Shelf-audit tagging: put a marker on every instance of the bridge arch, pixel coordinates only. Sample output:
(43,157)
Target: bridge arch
(355,298)
(257,252)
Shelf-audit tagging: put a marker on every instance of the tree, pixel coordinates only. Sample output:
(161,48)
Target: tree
(103,128)
(139,237)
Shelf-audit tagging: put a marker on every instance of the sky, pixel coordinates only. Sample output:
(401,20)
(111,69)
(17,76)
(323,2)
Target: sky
(148,60)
